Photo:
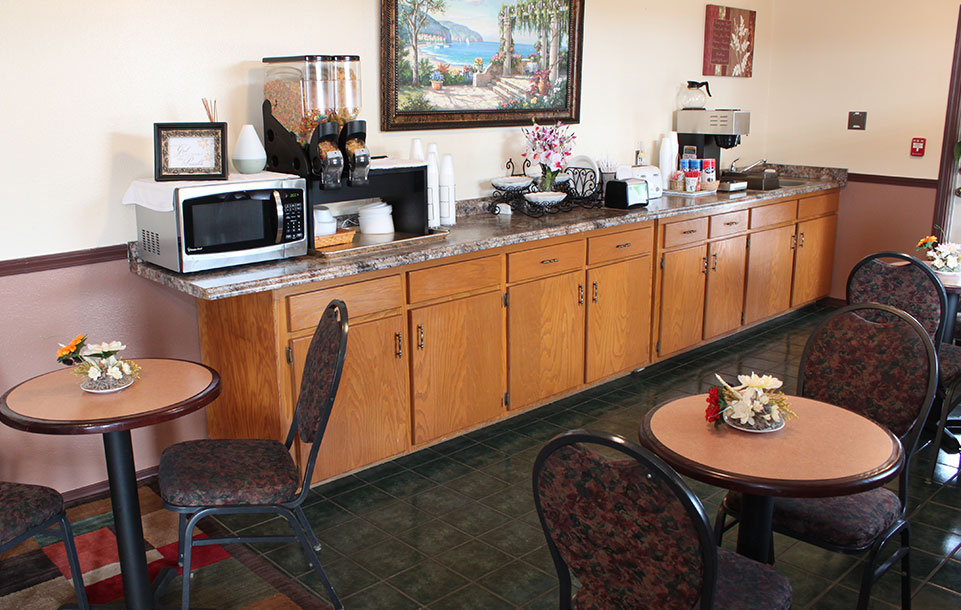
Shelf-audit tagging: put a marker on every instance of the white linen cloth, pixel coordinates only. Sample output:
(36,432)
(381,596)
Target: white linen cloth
(159,196)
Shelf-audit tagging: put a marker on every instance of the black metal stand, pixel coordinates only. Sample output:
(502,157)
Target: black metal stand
(754,531)
(582,189)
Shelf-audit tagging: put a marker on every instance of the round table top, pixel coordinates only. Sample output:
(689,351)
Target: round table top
(53,403)
(825,451)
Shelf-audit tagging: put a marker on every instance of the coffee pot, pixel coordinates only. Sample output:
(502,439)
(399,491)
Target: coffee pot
(691,96)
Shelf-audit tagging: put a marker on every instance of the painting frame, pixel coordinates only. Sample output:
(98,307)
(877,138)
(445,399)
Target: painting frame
(393,119)
(202,154)
(729,41)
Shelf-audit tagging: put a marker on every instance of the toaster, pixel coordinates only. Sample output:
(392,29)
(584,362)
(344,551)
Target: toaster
(652,175)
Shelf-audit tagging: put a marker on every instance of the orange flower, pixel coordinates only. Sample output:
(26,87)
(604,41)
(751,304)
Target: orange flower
(930,239)
(70,347)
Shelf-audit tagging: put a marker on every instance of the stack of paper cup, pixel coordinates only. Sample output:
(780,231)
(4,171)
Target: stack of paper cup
(448,201)
(433,188)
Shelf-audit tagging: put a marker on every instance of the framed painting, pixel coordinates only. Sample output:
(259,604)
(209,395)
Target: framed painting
(729,41)
(479,63)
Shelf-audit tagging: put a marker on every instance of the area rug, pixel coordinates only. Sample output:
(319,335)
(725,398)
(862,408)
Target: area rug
(35,574)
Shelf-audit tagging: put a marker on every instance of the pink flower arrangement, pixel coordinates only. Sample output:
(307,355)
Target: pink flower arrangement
(549,145)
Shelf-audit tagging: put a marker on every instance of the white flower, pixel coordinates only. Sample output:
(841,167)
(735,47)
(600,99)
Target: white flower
(115,346)
(951,261)
(111,361)
(93,372)
(742,411)
(765,382)
(126,368)
(115,373)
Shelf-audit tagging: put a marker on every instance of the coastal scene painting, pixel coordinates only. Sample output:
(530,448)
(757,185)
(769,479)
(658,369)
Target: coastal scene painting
(480,62)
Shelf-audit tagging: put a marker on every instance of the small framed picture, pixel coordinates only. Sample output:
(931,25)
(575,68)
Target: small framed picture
(190,151)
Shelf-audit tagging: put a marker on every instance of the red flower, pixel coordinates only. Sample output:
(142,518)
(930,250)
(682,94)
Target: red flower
(713,411)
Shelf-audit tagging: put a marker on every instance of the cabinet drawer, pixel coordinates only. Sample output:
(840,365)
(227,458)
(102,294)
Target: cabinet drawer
(685,232)
(619,245)
(728,224)
(362,298)
(778,213)
(818,206)
(455,278)
(540,262)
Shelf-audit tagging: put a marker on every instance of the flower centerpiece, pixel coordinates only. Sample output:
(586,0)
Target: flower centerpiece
(943,258)
(754,405)
(550,146)
(98,364)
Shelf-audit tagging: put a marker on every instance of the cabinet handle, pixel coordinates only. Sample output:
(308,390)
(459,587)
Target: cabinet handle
(627,245)
(689,232)
(400,345)
(420,336)
(704,270)
(730,223)
(714,267)
(594,297)
(548,261)
(802,241)
(580,294)
(794,242)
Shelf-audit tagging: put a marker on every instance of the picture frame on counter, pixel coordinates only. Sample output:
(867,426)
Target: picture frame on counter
(190,151)
(480,63)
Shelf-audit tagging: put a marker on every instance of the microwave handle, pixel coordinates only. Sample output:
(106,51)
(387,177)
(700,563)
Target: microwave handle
(280,217)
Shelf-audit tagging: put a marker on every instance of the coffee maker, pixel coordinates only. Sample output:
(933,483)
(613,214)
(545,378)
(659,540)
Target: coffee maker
(711,130)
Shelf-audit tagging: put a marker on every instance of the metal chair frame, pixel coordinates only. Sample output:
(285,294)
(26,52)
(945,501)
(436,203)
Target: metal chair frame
(72,560)
(909,441)
(632,450)
(292,510)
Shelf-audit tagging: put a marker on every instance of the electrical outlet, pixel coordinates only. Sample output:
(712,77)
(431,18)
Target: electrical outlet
(857,120)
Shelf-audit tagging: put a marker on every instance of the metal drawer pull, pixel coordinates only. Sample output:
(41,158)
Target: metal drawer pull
(420,336)
(704,270)
(594,298)
(730,223)
(627,245)
(580,294)
(793,242)
(400,345)
(715,262)
(689,231)
(548,261)
(802,240)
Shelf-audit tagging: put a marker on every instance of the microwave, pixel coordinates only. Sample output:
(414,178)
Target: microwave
(218,225)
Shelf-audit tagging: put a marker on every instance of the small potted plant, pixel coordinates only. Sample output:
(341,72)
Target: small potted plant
(436,79)
(550,146)
(98,364)
(945,259)
(755,405)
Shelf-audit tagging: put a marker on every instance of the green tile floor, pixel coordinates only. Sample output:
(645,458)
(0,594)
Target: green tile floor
(454,526)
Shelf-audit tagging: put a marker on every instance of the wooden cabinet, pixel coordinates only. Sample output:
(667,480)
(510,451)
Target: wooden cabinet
(618,317)
(681,289)
(814,259)
(457,371)
(725,285)
(545,323)
(770,264)
(370,420)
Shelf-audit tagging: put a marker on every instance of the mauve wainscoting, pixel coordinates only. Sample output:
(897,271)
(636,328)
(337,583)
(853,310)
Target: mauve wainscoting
(107,302)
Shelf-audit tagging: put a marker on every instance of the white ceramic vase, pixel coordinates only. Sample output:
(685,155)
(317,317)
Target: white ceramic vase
(249,155)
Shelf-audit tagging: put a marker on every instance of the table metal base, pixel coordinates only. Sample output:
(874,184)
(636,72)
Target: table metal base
(754,531)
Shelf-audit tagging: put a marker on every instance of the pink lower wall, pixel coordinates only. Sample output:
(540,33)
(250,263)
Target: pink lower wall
(106,302)
(876,217)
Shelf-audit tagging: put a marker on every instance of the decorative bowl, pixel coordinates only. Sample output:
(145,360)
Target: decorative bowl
(545,197)
(730,421)
(512,183)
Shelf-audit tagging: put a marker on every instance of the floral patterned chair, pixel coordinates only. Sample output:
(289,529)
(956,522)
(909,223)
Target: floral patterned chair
(219,476)
(879,362)
(904,282)
(27,510)
(634,535)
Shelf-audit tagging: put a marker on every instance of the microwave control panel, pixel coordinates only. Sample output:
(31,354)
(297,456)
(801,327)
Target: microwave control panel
(293,202)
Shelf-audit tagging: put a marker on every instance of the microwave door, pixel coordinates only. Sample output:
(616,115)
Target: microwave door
(280,218)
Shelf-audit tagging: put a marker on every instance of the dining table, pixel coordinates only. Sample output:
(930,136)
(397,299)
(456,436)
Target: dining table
(54,403)
(825,451)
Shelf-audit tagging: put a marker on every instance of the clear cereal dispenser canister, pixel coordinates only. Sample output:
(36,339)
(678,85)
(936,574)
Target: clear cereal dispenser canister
(345,78)
(300,92)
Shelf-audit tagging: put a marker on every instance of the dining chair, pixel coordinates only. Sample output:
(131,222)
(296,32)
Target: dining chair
(879,362)
(242,476)
(28,510)
(634,535)
(904,282)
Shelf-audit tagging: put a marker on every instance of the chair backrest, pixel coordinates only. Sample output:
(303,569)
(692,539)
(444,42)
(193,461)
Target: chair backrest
(904,282)
(876,361)
(320,378)
(629,529)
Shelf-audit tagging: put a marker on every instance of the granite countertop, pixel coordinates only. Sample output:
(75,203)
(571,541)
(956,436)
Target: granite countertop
(473,232)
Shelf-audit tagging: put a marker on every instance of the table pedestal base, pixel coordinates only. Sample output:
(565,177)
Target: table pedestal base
(754,531)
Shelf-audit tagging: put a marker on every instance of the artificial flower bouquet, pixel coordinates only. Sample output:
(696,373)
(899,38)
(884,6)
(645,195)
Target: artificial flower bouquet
(943,258)
(755,404)
(550,146)
(102,370)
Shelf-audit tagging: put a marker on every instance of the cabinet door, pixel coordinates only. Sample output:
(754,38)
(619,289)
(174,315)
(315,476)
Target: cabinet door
(370,420)
(457,355)
(814,260)
(618,317)
(546,329)
(682,299)
(725,285)
(770,262)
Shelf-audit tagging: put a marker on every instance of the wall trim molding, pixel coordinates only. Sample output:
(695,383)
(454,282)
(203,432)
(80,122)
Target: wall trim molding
(88,492)
(62,260)
(928,183)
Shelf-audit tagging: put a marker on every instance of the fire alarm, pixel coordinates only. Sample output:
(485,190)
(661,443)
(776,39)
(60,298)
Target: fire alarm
(917,147)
